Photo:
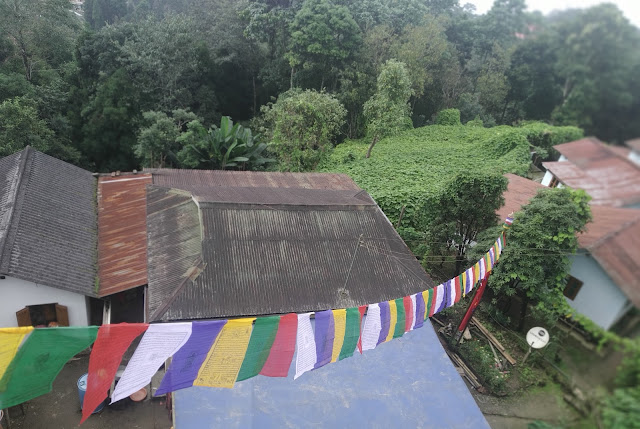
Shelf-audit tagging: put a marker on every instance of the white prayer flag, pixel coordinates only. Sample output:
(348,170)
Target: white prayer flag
(372,327)
(159,342)
(415,312)
(306,343)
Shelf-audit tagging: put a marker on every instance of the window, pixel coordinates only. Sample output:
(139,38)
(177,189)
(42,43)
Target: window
(43,315)
(572,288)
(554,182)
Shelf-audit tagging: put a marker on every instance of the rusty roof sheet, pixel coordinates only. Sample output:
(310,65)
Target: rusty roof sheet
(606,221)
(122,232)
(619,255)
(519,191)
(188,179)
(256,259)
(282,196)
(605,172)
(48,225)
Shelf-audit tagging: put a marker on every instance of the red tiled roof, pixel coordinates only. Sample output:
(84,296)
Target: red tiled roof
(122,232)
(603,171)
(519,192)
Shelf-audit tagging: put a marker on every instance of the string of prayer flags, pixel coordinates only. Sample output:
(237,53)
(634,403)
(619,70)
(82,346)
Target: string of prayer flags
(306,357)
(110,345)
(10,339)
(221,367)
(283,348)
(352,338)
(159,343)
(324,336)
(39,360)
(340,324)
(187,361)
(262,338)
(372,328)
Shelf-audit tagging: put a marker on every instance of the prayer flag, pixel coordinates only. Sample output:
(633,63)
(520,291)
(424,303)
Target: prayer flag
(324,335)
(159,343)
(351,332)
(110,345)
(372,328)
(433,300)
(492,253)
(306,357)
(400,318)
(39,360)
(262,338)
(393,319)
(420,310)
(481,264)
(440,298)
(340,326)
(10,339)
(410,312)
(469,280)
(221,367)
(187,361)
(385,321)
(283,348)
(500,243)
(361,310)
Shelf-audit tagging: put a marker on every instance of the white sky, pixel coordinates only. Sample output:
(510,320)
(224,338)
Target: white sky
(630,8)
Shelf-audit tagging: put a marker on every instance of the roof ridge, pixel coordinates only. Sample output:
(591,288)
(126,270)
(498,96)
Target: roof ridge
(25,156)
(615,232)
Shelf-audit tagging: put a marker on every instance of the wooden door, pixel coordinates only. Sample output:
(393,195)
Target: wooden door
(62,315)
(23,316)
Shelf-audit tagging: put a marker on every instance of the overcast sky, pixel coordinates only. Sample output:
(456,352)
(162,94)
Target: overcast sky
(630,8)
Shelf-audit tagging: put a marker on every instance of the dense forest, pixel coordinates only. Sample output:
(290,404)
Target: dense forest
(132,83)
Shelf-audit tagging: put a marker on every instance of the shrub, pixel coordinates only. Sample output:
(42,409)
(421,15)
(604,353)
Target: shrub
(304,125)
(448,117)
(477,122)
(544,136)
(482,361)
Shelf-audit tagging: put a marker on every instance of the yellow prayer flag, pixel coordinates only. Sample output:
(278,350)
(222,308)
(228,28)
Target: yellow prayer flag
(340,323)
(464,284)
(221,367)
(393,319)
(425,297)
(10,339)
(476,273)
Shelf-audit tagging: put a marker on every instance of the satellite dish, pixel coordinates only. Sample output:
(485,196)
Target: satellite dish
(537,337)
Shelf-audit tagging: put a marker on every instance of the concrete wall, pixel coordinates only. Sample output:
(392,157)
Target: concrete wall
(599,298)
(548,177)
(17,294)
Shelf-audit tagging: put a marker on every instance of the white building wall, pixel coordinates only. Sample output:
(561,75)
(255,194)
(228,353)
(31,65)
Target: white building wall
(548,177)
(17,294)
(599,298)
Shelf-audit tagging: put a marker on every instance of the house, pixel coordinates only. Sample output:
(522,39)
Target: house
(603,283)
(610,174)
(48,236)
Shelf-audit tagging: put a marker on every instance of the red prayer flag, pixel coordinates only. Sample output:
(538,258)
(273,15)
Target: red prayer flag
(457,289)
(284,345)
(110,345)
(408,313)
(434,290)
(361,309)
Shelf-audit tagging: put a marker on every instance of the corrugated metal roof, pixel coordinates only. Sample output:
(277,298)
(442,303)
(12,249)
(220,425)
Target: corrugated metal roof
(264,260)
(189,179)
(611,178)
(49,222)
(619,256)
(606,220)
(122,232)
(282,196)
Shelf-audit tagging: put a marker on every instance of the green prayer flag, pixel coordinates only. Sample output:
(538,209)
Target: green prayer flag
(399,331)
(262,337)
(40,360)
(429,302)
(351,333)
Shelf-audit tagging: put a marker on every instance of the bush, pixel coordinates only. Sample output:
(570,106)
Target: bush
(304,125)
(477,122)
(543,136)
(482,361)
(448,117)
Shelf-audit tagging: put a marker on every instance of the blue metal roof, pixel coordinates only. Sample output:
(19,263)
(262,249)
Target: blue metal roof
(408,382)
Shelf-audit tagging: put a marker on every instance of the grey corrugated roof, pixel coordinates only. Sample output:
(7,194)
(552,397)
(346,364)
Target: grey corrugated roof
(258,259)
(48,222)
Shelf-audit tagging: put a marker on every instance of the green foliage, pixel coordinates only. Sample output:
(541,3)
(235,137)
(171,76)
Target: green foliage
(534,265)
(157,144)
(621,410)
(304,125)
(543,137)
(227,147)
(482,361)
(477,122)
(387,112)
(465,206)
(448,117)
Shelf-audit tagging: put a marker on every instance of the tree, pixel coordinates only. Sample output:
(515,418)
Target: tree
(323,36)
(99,13)
(534,264)
(464,207)
(303,127)
(227,147)
(157,143)
(387,112)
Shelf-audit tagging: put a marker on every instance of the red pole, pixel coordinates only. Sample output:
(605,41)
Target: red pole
(472,307)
